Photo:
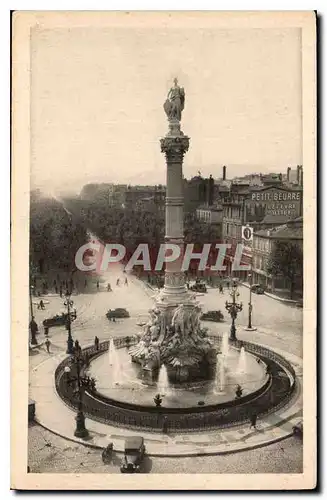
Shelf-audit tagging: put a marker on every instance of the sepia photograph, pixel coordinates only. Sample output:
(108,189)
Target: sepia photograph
(164,221)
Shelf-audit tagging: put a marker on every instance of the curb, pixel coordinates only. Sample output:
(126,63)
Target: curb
(275,297)
(167,454)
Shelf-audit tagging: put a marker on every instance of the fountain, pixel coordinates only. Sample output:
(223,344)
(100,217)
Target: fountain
(115,371)
(222,375)
(241,366)
(225,345)
(163,382)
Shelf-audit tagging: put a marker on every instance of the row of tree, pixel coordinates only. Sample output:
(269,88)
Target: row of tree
(55,235)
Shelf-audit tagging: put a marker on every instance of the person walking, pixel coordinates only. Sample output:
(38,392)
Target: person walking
(109,287)
(117,282)
(165,425)
(126,281)
(98,285)
(56,289)
(96,342)
(221,290)
(60,291)
(47,345)
(78,348)
(253,420)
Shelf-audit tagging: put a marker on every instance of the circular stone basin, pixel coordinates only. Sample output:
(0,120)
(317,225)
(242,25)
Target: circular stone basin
(122,381)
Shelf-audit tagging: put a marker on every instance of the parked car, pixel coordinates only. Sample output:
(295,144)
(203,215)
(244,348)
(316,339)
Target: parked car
(59,319)
(134,454)
(119,312)
(298,429)
(31,410)
(216,316)
(259,289)
(199,287)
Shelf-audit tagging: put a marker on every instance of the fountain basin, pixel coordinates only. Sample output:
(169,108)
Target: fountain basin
(277,391)
(135,388)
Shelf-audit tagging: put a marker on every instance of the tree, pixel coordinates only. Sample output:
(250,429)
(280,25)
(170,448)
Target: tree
(286,260)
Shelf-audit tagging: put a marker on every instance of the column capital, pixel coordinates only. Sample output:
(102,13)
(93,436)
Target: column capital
(174,148)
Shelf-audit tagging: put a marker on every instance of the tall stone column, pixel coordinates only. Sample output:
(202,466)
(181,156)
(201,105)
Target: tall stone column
(174,336)
(174,146)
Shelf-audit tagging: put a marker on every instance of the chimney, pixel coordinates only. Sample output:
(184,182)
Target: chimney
(224,172)
(288,173)
(210,190)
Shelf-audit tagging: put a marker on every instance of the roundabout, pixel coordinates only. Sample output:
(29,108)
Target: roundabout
(269,385)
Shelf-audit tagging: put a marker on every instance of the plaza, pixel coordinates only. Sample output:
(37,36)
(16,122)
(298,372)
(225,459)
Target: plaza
(279,326)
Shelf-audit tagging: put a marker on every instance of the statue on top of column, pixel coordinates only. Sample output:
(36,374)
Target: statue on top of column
(175,101)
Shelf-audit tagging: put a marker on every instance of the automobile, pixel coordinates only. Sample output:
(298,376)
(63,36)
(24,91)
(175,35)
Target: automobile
(298,429)
(133,455)
(31,410)
(119,312)
(259,289)
(59,319)
(216,316)
(199,287)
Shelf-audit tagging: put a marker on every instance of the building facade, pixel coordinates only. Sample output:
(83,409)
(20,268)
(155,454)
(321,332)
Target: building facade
(263,247)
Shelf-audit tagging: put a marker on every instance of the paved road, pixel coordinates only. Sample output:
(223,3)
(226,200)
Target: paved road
(51,453)
(279,325)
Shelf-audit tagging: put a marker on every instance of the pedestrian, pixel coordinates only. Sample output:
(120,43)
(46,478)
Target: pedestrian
(227,284)
(96,343)
(33,326)
(46,331)
(239,391)
(56,289)
(165,425)
(253,420)
(78,348)
(107,453)
(41,305)
(126,281)
(60,291)
(117,282)
(98,285)
(54,283)
(47,345)
(109,287)
(221,290)
(85,283)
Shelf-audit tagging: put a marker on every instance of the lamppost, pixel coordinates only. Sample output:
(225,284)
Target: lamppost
(70,343)
(233,308)
(81,382)
(33,325)
(250,327)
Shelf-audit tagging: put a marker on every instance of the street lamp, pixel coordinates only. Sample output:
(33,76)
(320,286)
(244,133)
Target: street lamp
(70,343)
(233,308)
(81,382)
(33,325)
(250,327)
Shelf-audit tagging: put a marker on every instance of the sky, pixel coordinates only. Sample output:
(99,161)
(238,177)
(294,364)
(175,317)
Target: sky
(97,102)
